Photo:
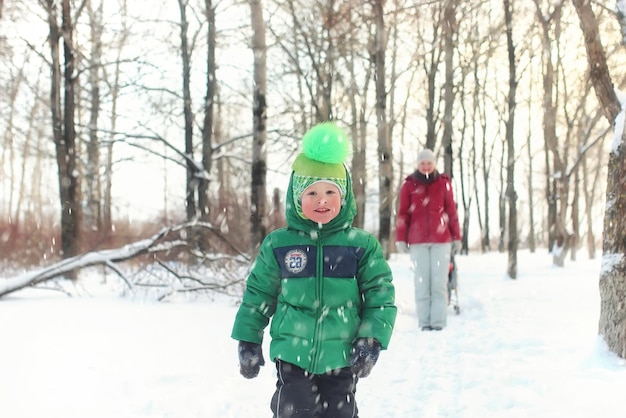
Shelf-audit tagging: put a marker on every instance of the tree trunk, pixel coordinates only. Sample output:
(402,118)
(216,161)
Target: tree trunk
(591,246)
(358,88)
(449,31)
(8,157)
(93,186)
(477,115)
(575,216)
(207,125)
(192,180)
(510,141)
(555,229)
(531,200)
(63,129)
(385,150)
(590,198)
(431,123)
(550,197)
(115,94)
(502,203)
(258,192)
(359,172)
(612,323)
(486,157)
(465,188)
(276,216)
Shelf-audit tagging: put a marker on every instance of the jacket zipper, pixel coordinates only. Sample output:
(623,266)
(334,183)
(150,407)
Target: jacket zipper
(319,287)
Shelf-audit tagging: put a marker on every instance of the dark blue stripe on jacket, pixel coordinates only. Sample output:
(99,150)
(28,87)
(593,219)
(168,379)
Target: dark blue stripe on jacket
(299,261)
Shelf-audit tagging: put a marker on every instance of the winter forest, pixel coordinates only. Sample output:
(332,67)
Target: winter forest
(154,138)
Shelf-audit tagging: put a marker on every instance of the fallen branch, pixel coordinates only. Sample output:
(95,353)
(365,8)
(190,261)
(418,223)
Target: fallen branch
(152,245)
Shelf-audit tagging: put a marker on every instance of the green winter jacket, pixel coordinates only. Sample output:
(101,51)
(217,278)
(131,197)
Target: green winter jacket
(322,286)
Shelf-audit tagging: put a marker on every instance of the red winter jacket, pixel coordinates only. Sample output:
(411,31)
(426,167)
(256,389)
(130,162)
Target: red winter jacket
(427,212)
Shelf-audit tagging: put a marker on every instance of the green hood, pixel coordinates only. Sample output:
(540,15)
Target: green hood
(342,221)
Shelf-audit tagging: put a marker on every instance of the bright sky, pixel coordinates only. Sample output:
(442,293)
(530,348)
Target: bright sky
(525,348)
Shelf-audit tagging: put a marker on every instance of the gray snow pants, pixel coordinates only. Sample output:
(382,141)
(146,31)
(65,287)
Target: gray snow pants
(431,262)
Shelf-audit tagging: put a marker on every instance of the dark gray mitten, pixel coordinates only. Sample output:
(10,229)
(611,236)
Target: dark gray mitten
(250,359)
(364,356)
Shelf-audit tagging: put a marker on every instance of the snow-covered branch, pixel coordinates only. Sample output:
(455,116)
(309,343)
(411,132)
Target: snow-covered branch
(157,243)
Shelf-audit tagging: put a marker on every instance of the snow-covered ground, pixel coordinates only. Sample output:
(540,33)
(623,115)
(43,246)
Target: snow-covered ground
(519,348)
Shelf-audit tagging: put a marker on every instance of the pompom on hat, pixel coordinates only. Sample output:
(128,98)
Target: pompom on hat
(325,147)
(426,155)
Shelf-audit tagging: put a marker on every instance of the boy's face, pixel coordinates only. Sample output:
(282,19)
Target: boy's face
(321,202)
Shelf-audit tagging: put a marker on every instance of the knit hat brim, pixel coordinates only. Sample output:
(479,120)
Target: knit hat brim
(307,172)
(305,166)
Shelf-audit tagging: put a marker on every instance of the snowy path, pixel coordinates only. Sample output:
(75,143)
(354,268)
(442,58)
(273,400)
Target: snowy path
(515,349)
(523,348)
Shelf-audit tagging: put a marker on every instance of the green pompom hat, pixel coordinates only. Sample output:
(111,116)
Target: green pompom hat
(325,147)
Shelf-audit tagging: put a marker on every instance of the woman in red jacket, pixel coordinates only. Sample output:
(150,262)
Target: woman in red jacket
(428,228)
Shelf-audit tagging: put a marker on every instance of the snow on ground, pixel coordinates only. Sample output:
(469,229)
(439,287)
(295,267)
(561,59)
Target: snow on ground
(519,348)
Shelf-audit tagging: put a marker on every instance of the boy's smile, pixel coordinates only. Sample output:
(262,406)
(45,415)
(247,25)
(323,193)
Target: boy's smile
(321,202)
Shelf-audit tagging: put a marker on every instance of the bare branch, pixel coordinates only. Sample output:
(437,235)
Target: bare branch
(157,243)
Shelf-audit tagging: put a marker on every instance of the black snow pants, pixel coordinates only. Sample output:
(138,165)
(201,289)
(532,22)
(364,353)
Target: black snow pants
(300,394)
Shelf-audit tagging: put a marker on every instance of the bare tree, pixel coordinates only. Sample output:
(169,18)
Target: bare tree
(502,200)
(431,63)
(591,195)
(356,84)
(385,150)
(185,51)
(560,239)
(258,186)
(113,80)
(310,48)
(93,180)
(208,123)
(32,145)
(482,150)
(8,155)
(449,32)
(511,194)
(612,324)
(62,109)
(531,207)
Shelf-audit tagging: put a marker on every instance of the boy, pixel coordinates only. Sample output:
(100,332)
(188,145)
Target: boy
(326,286)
